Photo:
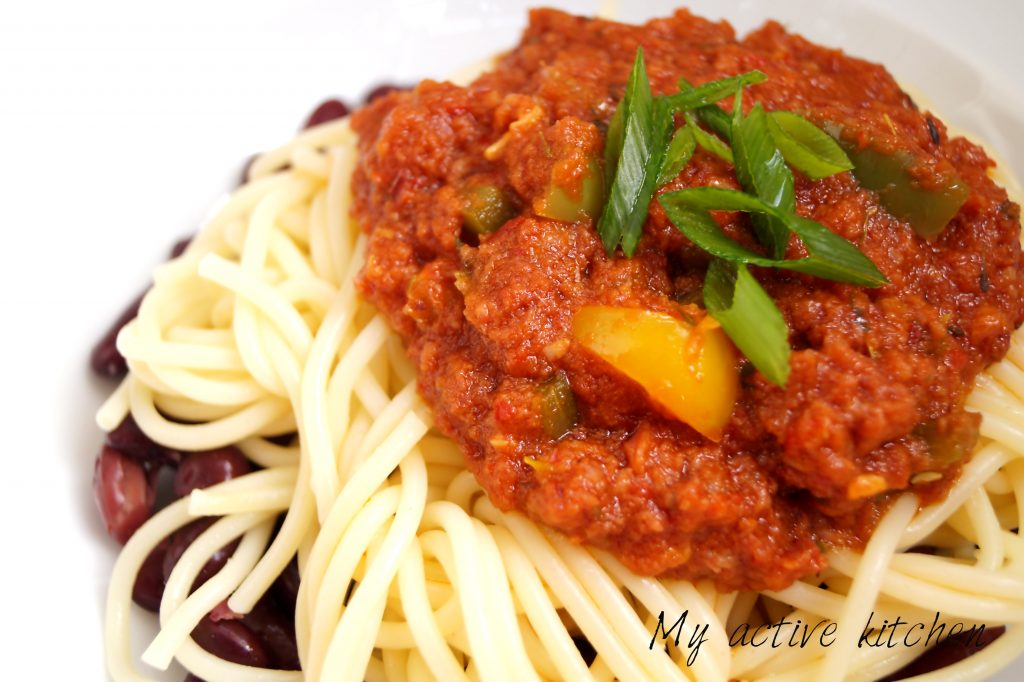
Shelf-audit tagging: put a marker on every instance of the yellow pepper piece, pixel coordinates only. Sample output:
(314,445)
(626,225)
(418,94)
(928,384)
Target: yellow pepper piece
(689,370)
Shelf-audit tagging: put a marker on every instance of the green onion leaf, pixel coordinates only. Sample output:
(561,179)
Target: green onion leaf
(707,94)
(717,121)
(806,147)
(831,257)
(680,150)
(633,160)
(699,227)
(737,108)
(711,115)
(706,140)
(759,164)
(613,146)
(749,316)
(714,117)
(762,171)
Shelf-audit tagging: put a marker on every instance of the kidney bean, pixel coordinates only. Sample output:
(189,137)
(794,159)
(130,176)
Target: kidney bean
(106,360)
(180,246)
(328,110)
(224,612)
(209,467)
(285,589)
(181,539)
(282,439)
(129,439)
(232,641)
(947,652)
(585,648)
(193,678)
(276,631)
(149,581)
(382,90)
(123,493)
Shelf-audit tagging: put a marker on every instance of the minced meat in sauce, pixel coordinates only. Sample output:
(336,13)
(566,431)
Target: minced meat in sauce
(878,376)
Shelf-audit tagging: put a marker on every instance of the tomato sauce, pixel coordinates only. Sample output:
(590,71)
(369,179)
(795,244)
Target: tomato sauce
(878,376)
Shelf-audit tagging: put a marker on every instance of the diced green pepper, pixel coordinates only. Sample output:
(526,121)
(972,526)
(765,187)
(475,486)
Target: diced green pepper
(928,210)
(558,405)
(560,205)
(949,444)
(487,209)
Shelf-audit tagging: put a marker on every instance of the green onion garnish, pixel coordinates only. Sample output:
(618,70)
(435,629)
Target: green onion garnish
(642,153)
(830,256)
(680,150)
(633,152)
(714,91)
(806,147)
(762,171)
(706,141)
(748,315)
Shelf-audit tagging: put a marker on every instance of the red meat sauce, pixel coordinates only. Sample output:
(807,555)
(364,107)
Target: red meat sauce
(878,376)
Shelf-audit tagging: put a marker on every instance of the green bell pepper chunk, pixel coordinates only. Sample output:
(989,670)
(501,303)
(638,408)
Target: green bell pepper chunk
(927,209)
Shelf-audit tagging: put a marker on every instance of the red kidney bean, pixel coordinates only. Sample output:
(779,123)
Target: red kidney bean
(149,581)
(947,652)
(282,439)
(129,439)
(180,246)
(224,612)
(105,359)
(328,110)
(382,90)
(193,678)
(123,493)
(181,539)
(285,589)
(232,641)
(276,631)
(209,467)
(585,648)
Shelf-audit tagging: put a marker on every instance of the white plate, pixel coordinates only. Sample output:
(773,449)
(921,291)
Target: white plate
(121,122)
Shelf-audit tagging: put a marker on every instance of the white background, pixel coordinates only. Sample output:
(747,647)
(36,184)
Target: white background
(120,122)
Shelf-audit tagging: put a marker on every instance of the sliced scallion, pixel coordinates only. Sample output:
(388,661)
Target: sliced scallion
(806,147)
(749,316)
